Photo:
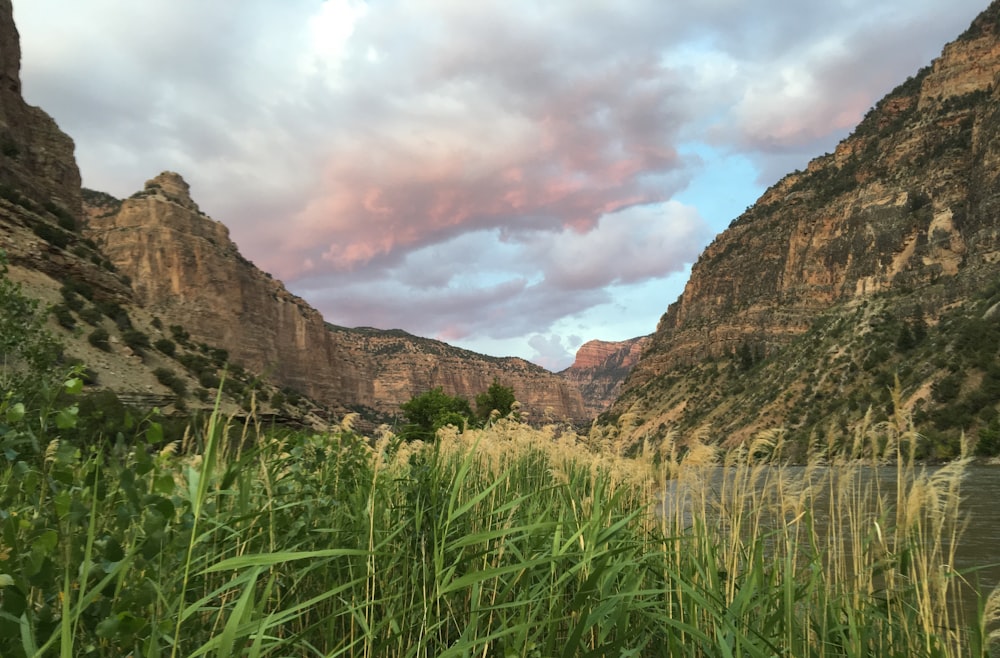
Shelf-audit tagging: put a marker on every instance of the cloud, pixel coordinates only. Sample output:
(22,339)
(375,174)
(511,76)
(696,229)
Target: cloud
(550,352)
(627,247)
(467,170)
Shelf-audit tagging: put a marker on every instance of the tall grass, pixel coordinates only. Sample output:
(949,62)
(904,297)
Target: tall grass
(508,541)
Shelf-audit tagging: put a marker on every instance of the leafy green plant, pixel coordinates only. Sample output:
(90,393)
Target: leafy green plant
(497,398)
(28,352)
(428,412)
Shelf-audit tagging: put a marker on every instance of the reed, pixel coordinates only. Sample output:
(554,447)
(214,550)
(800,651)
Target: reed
(504,541)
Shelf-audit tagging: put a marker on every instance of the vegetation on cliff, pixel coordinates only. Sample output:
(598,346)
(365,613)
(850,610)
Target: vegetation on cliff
(876,262)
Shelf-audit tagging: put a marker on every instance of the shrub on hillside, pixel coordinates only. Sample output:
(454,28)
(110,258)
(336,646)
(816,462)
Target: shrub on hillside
(71,298)
(166,346)
(99,339)
(64,316)
(168,378)
(54,236)
(196,363)
(180,335)
(208,379)
(91,316)
(136,340)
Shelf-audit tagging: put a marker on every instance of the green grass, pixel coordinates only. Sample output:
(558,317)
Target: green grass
(507,541)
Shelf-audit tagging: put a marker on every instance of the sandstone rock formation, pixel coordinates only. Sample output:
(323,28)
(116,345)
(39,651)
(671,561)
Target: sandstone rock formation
(177,265)
(36,158)
(186,270)
(905,208)
(601,367)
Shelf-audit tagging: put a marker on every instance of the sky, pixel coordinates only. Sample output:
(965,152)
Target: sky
(514,177)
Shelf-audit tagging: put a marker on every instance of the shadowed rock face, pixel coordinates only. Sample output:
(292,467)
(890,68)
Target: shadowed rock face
(185,269)
(908,202)
(36,158)
(600,368)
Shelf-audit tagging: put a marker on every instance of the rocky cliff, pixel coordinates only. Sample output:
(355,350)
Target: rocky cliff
(185,269)
(36,158)
(601,367)
(903,216)
(155,269)
(40,198)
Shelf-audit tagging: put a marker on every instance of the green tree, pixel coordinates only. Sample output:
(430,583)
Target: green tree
(497,397)
(28,352)
(988,444)
(428,412)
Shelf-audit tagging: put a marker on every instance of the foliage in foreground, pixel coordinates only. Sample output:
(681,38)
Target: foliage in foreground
(506,541)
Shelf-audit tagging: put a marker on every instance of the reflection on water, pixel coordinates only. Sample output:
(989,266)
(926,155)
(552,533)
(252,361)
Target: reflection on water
(977,556)
(980,545)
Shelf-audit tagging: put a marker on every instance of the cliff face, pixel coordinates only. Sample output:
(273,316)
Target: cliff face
(186,270)
(600,369)
(36,158)
(40,201)
(905,208)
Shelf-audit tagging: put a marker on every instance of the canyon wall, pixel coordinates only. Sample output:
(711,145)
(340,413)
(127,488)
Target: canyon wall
(185,269)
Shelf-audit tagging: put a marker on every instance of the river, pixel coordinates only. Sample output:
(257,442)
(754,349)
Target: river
(977,555)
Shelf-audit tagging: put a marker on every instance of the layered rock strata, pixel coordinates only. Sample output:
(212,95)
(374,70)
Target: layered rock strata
(600,369)
(909,201)
(185,269)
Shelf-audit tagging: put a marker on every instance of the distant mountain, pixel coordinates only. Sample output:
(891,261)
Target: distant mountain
(177,302)
(880,260)
(185,270)
(600,369)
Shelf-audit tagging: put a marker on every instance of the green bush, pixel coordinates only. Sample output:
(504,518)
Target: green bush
(64,316)
(428,412)
(115,312)
(54,236)
(180,335)
(168,378)
(988,444)
(166,346)
(196,363)
(208,379)
(63,216)
(136,340)
(99,339)
(497,398)
(71,298)
(218,355)
(91,315)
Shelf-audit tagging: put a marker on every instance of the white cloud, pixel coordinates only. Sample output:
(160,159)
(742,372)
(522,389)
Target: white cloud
(481,170)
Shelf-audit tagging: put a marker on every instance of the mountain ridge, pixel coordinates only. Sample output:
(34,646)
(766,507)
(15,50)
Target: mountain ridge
(901,216)
(182,264)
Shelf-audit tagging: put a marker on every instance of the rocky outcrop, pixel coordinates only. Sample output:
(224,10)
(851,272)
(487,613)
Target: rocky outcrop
(36,158)
(908,204)
(600,369)
(186,270)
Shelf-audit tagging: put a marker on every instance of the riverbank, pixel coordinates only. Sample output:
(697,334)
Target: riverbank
(503,541)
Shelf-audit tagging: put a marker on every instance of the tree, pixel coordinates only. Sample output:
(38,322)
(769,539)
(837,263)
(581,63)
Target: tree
(497,398)
(428,412)
(28,352)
